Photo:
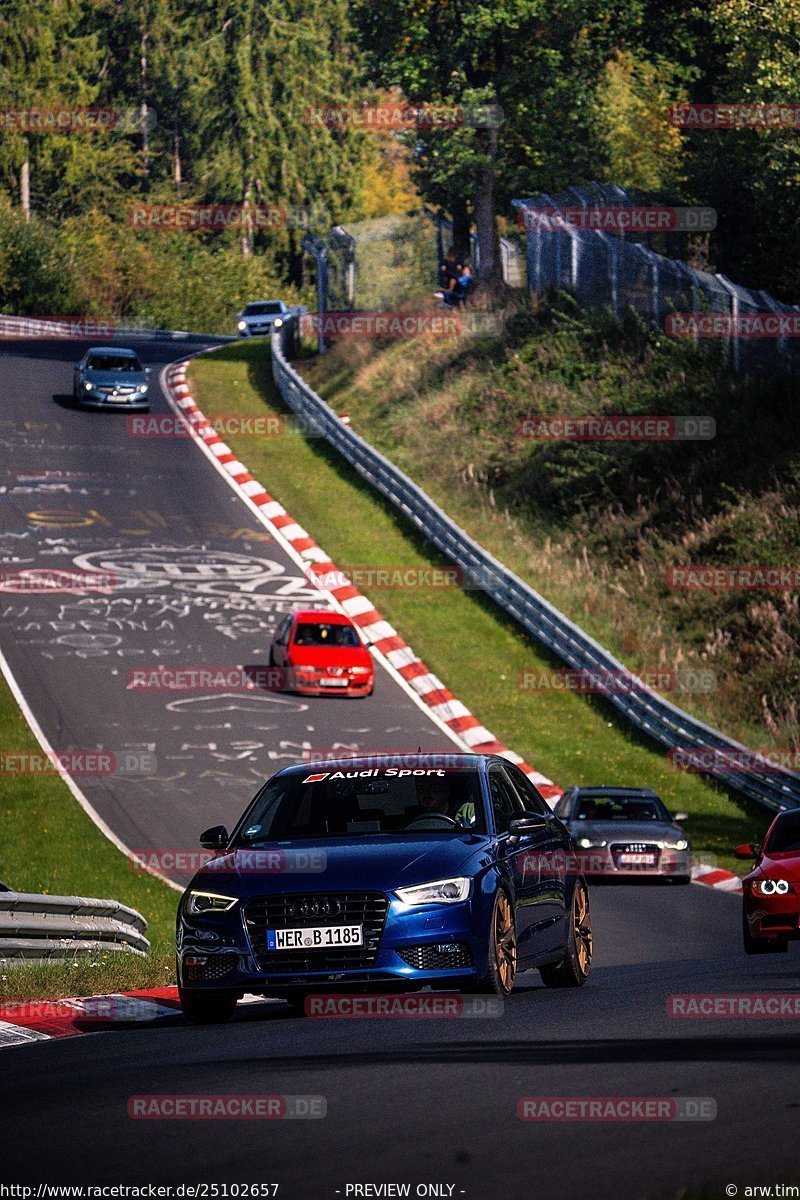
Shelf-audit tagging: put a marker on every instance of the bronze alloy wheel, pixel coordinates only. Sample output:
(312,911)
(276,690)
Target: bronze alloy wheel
(582,923)
(573,969)
(505,943)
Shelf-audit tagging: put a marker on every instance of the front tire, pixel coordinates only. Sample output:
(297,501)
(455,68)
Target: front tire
(207,1008)
(574,968)
(501,964)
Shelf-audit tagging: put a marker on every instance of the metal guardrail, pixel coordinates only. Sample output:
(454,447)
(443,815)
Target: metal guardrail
(775,788)
(36,928)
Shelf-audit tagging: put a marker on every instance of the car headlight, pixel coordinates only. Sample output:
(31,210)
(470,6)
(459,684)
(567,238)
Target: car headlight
(771,887)
(276,324)
(360,670)
(88,386)
(682,844)
(443,891)
(242,326)
(208,902)
(585,843)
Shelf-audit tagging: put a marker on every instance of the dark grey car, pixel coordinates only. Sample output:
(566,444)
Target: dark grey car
(626,833)
(110,377)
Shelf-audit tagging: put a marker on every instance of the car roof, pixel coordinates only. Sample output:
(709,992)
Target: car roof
(117,350)
(321,615)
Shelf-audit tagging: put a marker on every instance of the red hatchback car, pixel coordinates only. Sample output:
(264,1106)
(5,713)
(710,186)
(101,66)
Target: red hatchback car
(322,654)
(771,892)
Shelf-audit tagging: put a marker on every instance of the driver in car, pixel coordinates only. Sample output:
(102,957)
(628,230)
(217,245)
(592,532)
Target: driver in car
(433,796)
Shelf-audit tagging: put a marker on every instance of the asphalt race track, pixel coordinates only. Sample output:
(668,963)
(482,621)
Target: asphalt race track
(429,1101)
(435,1100)
(198,583)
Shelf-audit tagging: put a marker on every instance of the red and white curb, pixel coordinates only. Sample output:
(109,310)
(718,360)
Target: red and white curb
(25,1021)
(716,877)
(423,685)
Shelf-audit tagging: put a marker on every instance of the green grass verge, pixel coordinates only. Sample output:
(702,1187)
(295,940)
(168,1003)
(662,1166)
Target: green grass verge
(50,845)
(465,639)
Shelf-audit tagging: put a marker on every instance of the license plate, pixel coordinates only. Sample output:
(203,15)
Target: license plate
(638,860)
(319,937)
(333,682)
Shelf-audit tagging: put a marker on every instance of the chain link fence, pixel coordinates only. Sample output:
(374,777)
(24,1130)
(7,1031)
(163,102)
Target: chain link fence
(622,272)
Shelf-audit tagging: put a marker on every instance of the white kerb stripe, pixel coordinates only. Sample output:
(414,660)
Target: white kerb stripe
(252,487)
(357,605)
(449,710)
(273,509)
(403,657)
(422,684)
(477,736)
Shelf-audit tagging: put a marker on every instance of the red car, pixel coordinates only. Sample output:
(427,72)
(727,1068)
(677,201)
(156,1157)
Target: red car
(322,654)
(771,892)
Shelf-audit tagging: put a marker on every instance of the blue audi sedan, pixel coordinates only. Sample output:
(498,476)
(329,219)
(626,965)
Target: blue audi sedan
(390,873)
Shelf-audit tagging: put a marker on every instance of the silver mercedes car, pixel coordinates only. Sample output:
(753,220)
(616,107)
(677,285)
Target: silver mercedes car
(110,377)
(626,833)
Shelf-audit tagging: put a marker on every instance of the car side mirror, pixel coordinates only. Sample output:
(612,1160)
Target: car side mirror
(215,838)
(681,817)
(529,823)
(747,850)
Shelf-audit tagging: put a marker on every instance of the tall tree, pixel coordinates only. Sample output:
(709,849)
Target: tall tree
(531,63)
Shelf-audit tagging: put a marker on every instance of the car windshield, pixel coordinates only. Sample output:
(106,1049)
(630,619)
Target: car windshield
(785,835)
(315,633)
(112,362)
(616,808)
(364,802)
(268,309)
